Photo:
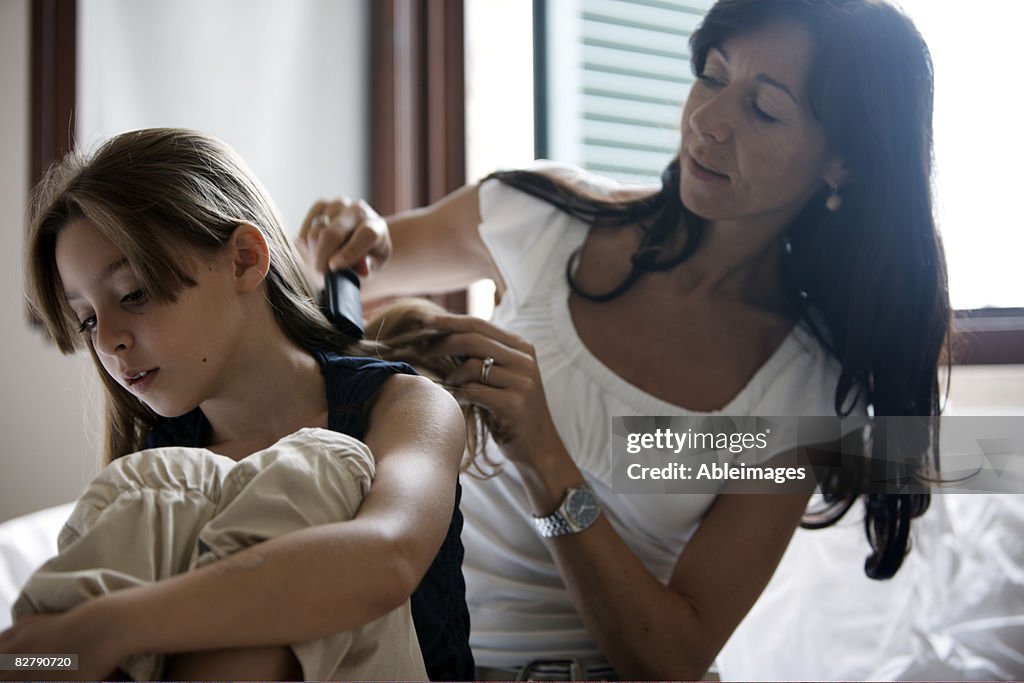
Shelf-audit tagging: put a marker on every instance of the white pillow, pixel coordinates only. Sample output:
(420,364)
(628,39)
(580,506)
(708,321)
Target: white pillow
(25,543)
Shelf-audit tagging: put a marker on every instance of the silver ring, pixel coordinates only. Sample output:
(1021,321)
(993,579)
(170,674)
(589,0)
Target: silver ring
(485,369)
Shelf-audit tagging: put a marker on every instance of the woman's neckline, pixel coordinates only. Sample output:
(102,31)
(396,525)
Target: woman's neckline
(572,343)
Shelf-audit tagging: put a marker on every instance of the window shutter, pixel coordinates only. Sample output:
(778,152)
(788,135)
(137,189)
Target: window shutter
(617,74)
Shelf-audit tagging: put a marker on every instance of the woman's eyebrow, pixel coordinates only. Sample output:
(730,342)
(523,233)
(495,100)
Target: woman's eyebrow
(105,274)
(762,78)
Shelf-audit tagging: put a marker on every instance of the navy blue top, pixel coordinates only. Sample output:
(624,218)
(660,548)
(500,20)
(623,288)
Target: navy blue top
(439,603)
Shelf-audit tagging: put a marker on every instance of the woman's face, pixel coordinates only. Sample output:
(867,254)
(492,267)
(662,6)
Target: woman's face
(751,148)
(172,355)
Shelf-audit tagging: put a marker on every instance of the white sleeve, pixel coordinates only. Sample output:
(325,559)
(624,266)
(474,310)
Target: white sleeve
(528,237)
(521,233)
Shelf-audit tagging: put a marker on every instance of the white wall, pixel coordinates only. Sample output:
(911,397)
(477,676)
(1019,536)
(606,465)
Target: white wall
(45,456)
(285,83)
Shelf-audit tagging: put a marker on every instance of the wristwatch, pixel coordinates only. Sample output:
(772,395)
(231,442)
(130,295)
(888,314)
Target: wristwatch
(579,509)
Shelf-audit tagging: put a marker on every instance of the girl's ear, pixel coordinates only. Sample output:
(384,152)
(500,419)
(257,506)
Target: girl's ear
(250,256)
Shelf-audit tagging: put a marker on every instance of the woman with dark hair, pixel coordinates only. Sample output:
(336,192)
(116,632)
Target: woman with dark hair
(788,265)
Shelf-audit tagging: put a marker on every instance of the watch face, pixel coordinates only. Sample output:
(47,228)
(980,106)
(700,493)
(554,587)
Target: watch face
(582,508)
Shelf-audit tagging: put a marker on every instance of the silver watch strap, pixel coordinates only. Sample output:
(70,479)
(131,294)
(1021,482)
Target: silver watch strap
(552,525)
(564,521)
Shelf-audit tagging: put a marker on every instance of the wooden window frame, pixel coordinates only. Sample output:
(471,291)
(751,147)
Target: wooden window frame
(989,336)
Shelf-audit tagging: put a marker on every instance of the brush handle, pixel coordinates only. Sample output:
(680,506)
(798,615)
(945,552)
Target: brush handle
(344,305)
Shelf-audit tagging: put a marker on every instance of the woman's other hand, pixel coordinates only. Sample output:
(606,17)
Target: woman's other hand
(344,233)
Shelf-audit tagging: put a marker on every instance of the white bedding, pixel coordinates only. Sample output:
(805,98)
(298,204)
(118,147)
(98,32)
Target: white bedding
(954,611)
(25,543)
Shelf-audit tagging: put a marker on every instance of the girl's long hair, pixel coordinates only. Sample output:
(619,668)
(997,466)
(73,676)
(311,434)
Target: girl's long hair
(162,196)
(869,280)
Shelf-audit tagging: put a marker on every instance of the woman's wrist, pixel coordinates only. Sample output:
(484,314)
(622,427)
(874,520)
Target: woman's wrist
(547,479)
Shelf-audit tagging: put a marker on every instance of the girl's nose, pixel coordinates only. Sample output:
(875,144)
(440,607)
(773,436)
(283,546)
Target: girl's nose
(111,337)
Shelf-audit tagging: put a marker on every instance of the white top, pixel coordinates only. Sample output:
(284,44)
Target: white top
(519,606)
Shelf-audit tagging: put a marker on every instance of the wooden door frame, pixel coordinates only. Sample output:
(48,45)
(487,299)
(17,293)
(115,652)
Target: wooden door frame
(53,64)
(417,95)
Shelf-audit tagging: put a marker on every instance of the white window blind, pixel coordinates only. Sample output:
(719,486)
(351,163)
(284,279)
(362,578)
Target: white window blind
(617,73)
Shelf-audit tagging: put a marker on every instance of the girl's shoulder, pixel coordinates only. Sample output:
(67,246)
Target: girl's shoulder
(352,384)
(353,380)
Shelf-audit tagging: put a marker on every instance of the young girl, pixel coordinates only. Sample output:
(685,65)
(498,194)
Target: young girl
(162,255)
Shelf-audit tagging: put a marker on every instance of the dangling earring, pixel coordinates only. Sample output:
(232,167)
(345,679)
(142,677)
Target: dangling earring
(834,201)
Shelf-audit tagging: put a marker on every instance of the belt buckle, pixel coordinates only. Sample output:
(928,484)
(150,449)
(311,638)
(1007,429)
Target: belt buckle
(576,669)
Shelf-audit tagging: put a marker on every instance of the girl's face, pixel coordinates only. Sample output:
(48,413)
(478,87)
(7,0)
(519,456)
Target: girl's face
(751,148)
(170,355)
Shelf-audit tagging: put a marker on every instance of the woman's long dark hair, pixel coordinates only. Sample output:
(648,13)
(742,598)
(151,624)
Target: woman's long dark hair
(869,280)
